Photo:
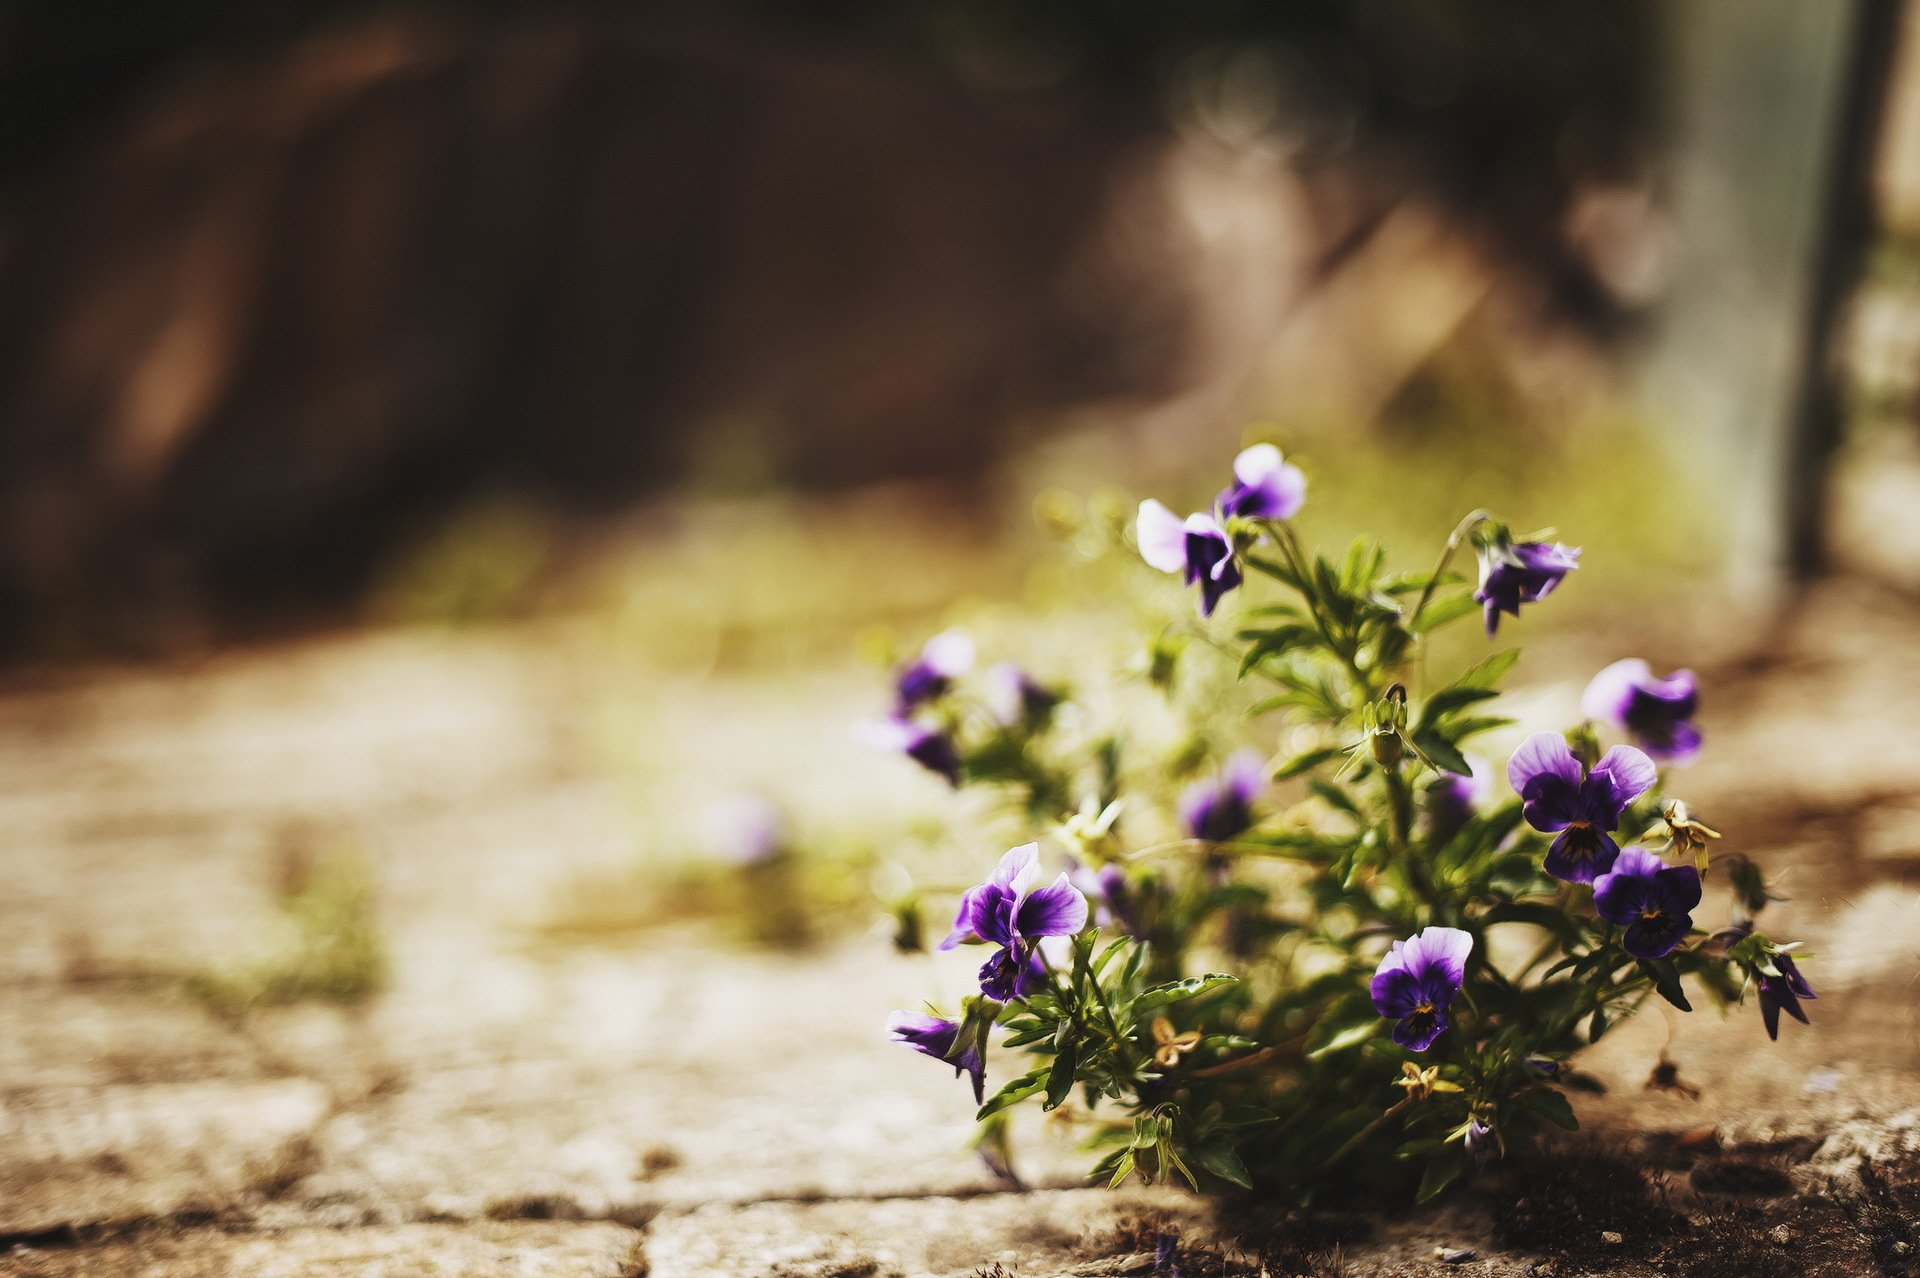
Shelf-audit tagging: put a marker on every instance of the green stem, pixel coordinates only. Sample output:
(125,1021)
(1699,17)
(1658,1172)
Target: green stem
(1460,533)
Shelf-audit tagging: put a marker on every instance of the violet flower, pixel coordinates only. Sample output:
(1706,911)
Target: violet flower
(1196,547)
(1583,807)
(944,658)
(1417,982)
(1264,486)
(1783,993)
(1115,901)
(1008,911)
(1453,800)
(1653,900)
(1657,713)
(938,1037)
(1015,699)
(1220,809)
(1515,573)
(1481,1141)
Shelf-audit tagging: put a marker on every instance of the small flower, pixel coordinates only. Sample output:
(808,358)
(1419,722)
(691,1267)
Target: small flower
(1686,836)
(1007,909)
(1653,900)
(1116,904)
(1015,699)
(1220,809)
(930,747)
(1584,807)
(1264,486)
(1422,1083)
(1657,713)
(1482,1142)
(941,1039)
(1751,891)
(1781,990)
(1417,982)
(1169,1047)
(1196,547)
(946,657)
(1512,574)
(1453,800)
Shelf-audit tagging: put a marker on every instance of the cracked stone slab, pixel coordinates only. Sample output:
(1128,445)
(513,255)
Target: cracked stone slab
(82,1156)
(487,1249)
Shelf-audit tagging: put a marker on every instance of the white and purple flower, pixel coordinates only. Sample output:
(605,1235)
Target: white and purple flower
(941,1039)
(1417,982)
(930,747)
(1016,699)
(1652,900)
(1220,809)
(1657,713)
(1199,547)
(1453,799)
(945,657)
(1583,807)
(1264,486)
(1525,572)
(1009,911)
(1196,547)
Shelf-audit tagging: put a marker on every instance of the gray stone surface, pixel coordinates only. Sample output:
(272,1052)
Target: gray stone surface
(487,1249)
(512,1097)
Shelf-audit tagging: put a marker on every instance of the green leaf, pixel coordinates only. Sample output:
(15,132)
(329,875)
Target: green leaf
(1441,1172)
(1448,700)
(1491,671)
(1060,1079)
(1439,612)
(1176,991)
(1550,1105)
(1441,753)
(1222,1161)
(1352,1036)
(1122,1169)
(1307,762)
(1334,797)
(1015,1092)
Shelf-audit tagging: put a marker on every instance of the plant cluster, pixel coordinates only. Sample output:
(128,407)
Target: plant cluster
(1345,962)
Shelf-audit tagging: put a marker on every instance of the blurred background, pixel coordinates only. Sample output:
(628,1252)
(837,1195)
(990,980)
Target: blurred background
(464,466)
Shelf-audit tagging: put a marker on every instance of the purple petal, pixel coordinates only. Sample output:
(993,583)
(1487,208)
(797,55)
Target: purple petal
(1395,991)
(1417,1032)
(1266,487)
(1610,693)
(1439,949)
(1622,775)
(1017,869)
(1056,910)
(1544,772)
(1162,537)
(1580,854)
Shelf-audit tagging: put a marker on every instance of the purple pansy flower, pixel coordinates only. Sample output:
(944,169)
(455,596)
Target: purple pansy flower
(937,1037)
(930,747)
(1220,809)
(1197,547)
(1515,573)
(1015,698)
(1584,807)
(1417,982)
(1653,900)
(1657,713)
(1453,800)
(1783,992)
(1264,486)
(1008,911)
(944,658)
(1115,902)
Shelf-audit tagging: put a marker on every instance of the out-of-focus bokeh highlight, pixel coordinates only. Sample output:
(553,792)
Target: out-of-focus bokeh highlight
(466,467)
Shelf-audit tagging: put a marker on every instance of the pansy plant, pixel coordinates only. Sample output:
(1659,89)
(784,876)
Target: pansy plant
(1350,961)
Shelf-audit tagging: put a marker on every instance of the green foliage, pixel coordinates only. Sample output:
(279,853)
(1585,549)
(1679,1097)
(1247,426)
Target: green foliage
(1216,1027)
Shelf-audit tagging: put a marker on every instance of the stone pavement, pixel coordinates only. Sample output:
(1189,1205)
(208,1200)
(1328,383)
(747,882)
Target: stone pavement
(674,1105)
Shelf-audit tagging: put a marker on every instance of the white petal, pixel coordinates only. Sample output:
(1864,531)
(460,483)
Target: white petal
(950,652)
(1257,464)
(1162,537)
